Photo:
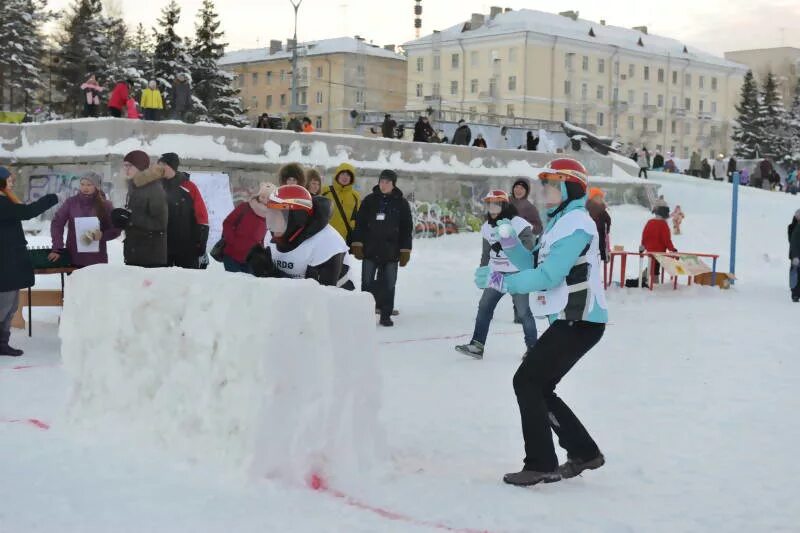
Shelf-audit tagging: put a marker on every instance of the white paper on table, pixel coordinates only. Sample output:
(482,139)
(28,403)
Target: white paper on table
(82,225)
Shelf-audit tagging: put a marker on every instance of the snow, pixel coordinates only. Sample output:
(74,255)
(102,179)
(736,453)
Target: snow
(339,45)
(691,395)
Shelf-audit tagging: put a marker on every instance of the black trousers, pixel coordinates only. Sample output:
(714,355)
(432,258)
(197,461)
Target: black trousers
(114,112)
(380,279)
(186,261)
(643,170)
(541,410)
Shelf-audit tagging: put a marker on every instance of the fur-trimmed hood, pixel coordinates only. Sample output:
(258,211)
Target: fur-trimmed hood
(146,177)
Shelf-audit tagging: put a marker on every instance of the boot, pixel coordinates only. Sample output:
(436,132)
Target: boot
(5,349)
(474,349)
(386,322)
(574,466)
(527,478)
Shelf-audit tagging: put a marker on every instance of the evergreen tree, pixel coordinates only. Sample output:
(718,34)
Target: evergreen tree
(142,52)
(21,52)
(170,56)
(745,131)
(794,123)
(772,122)
(212,85)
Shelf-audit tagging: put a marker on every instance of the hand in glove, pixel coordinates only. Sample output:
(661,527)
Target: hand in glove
(87,238)
(506,234)
(485,278)
(405,257)
(357,249)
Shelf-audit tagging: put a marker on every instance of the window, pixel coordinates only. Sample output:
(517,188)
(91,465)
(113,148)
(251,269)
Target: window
(568,61)
(631,97)
(437,62)
(455,60)
(584,117)
(359,97)
(319,97)
(493,86)
(713,84)
(437,91)
(359,69)
(631,70)
(510,110)
(674,77)
(661,101)
(661,75)
(255,78)
(453,87)
(473,86)
(319,74)
(567,115)
(672,149)
(646,99)
(269,77)
(473,112)
(601,66)
(644,124)
(686,152)
(584,92)
(585,64)
(600,92)
(419,90)
(254,101)
(567,87)
(269,101)
(674,129)
(318,123)
(687,128)
(616,67)
(646,73)
(420,64)
(687,80)
(474,59)
(659,126)
(700,106)
(687,104)
(600,119)
(302,96)
(630,123)
(674,102)
(283,75)
(512,83)
(701,82)
(713,108)
(512,55)
(615,96)
(283,100)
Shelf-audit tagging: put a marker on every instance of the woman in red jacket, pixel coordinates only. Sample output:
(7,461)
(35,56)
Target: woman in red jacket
(656,236)
(119,98)
(245,228)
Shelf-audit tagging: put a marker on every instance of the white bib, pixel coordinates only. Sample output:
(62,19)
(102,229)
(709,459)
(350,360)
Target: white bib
(313,252)
(498,261)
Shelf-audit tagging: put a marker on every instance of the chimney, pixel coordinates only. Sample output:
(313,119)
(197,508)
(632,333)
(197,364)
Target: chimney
(275,47)
(476,21)
(602,22)
(390,47)
(290,45)
(494,11)
(570,14)
(642,29)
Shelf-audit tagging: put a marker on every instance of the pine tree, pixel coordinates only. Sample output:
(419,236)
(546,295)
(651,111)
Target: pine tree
(142,52)
(772,122)
(794,123)
(21,52)
(745,131)
(170,56)
(119,55)
(212,85)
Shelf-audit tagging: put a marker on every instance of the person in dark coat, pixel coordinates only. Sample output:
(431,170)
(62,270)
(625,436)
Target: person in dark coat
(263,122)
(294,125)
(531,142)
(731,168)
(525,208)
(146,230)
(794,256)
(388,127)
(658,161)
(480,142)
(181,97)
(463,135)
(382,240)
(423,130)
(187,226)
(705,169)
(16,269)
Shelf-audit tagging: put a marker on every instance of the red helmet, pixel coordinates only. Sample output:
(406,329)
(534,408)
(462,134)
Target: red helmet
(496,196)
(566,169)
(291,198)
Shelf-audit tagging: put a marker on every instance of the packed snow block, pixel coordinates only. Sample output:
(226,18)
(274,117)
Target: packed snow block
(272,377)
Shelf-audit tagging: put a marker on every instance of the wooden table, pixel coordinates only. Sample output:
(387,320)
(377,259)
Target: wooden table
(651,270)
(40,298)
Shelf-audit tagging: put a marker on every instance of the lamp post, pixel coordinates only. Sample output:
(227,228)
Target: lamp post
(293,109)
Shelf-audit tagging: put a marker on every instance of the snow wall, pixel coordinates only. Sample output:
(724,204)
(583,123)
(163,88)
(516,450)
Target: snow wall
(265,377)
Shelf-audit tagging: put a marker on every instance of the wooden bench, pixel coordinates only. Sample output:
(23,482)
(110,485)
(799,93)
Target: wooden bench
(31,298)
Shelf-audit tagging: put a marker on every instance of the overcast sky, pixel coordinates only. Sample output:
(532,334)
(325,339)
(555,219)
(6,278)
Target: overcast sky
(713,25)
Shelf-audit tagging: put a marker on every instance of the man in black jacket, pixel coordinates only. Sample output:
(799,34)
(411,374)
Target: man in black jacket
(388,127)
(382,240)
(423,130)
(187,223)
(463,134)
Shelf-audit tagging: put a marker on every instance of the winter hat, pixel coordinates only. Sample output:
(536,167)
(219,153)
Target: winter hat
(525,185)
(292,170)
(595,192)
(93,177)
(661,211)
(389,175)
(4,173)
(171,159)
(138,159)
(460,122)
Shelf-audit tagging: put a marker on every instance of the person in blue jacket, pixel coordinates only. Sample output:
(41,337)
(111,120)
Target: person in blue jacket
(566,287)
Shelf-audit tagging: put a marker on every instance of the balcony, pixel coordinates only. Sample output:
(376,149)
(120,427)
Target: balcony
(704,116)
(619,106)
(649,110)
(302,81)
(678,112)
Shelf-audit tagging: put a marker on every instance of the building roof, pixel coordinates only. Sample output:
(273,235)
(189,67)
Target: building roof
(339,45)
(551,24)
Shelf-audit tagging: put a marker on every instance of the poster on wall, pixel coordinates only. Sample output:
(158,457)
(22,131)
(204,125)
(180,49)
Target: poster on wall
(216,190)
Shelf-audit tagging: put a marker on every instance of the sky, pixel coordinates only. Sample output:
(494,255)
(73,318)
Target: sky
(715,26)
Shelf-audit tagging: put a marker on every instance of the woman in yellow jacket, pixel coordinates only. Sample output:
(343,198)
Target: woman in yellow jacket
(152,103)
(345,201)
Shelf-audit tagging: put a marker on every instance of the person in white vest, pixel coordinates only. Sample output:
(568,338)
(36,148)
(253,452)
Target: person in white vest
(300,243)
(499,207)
(566,287)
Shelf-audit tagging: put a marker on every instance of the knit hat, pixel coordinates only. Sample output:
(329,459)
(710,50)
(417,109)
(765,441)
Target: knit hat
(171,159)
(596,191)
(95,178)
(389,175)
(4,173)
(525,185)
(138,159)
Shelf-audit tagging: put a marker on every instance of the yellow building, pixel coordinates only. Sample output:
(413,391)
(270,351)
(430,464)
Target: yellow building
(335,78)
(783,62)
(640,88)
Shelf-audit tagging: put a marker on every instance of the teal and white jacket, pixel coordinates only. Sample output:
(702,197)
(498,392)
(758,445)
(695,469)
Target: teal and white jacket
(568,281)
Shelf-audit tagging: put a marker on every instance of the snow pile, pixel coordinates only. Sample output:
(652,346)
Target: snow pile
(276,378)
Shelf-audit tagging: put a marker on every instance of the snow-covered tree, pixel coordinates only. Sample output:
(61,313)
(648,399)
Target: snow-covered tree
(120,55)
(772,122)
(170,55)
(212,85)
(794,123)
(22,47)
(142,52)
(745,131)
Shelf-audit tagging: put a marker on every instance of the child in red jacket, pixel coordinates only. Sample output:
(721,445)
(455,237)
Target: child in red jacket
(656,236)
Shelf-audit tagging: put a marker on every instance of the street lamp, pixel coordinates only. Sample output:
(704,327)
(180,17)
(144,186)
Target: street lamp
(294,109)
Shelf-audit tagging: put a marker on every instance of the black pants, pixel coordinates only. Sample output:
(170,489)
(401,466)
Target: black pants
(643,171)
(114,112)
(380,279)
(151,114)
(796,289)
(556,352)
(184,261)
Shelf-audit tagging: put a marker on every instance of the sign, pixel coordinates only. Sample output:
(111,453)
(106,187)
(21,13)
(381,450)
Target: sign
(685,265)
(216,190)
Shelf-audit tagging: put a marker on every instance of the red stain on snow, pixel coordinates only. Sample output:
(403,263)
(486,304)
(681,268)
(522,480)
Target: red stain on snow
(146,283)
(30,421)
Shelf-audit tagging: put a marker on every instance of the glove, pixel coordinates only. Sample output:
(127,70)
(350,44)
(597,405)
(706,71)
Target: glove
(121,218)
(506,235)
(87,238)
(97,235)
(357,249)
(796,262)
(260,262)
(485,278)
(405,256)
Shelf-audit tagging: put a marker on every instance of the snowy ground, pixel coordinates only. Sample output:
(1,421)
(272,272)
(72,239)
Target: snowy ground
(692,395)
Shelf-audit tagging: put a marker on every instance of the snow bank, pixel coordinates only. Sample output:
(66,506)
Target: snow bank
(269,377)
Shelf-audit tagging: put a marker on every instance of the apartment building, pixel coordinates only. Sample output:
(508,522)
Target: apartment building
(783,62)
(337,80)
(641,88)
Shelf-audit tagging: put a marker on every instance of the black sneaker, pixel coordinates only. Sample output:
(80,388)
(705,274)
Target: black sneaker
(395,312)
(10,352)
(386,322)
(574,466)
(527,478)
(474,349)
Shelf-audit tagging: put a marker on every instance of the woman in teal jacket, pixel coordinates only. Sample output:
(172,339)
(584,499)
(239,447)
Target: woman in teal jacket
(566,287)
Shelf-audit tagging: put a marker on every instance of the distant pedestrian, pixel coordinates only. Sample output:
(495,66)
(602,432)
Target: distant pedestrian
(91,91)
(119,98)
(307,126)
(181,97)
(463,134)
(480,142)
(152,103)
(531,142)
(388,127)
